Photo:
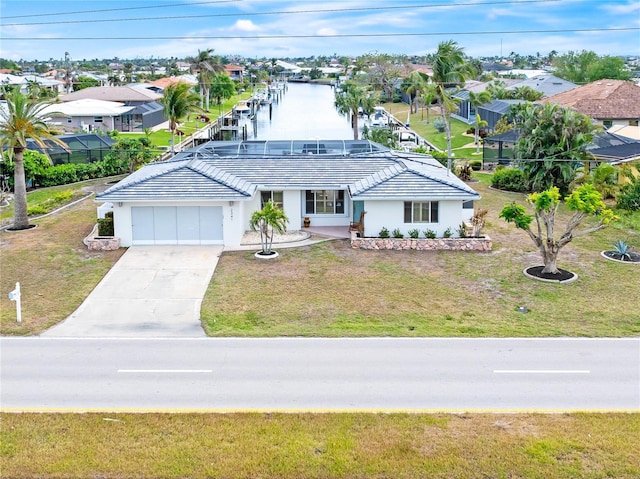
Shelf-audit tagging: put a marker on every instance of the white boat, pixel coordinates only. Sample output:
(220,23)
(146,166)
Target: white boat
(379,117)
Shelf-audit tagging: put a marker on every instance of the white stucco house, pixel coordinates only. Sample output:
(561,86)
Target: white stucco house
(206,195)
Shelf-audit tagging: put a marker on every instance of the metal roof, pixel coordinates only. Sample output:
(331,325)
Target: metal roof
(234,171)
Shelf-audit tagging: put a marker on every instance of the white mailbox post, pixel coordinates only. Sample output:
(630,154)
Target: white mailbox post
(15,296)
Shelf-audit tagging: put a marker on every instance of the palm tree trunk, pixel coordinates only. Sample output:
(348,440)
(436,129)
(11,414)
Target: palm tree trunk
(20,218)
(354,122)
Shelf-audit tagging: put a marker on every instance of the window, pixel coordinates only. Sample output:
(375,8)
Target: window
(275,196)
(324,202)
(97,119)
(421,212)
(607,123)
(467,205)
(633,122)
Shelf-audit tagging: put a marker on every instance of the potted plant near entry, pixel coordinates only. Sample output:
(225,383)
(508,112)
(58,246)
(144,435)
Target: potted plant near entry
(269,220)
(307,221)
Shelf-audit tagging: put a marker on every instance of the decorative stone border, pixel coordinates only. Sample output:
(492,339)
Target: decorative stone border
(604,255)
(481,244)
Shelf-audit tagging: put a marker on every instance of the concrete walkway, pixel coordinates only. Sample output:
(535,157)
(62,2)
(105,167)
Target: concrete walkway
(152,291)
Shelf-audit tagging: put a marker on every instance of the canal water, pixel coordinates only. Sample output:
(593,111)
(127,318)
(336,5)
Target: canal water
(303,111)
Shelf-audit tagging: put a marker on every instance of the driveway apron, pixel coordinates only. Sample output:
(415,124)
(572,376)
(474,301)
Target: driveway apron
(152,291)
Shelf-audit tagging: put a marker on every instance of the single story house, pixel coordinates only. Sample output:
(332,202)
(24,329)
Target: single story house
(606,102)
(206,195)
(147,112)
(90,115)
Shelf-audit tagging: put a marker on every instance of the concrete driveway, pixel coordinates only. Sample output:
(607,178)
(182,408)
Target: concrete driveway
(152,291)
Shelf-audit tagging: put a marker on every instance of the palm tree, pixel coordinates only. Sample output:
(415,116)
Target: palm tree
(178,103)
(450,71)
(268,220)
(476,100)
(414,87)
(205,65)
(19,121)
(352,97)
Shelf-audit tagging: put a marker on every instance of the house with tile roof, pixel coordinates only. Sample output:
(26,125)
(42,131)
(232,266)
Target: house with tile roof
(90,115)
(606,102)
(147,112)
(206,195)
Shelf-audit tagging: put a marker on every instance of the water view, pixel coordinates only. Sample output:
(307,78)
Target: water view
(304,111)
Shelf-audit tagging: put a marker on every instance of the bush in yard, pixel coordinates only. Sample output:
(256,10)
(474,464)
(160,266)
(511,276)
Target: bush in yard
(105,225)
(414,233)
(476,165)
(439,125)
(464,172)
(429,234)
(384,233)
(397,233)
(629,196)
(447,233)
(509,179)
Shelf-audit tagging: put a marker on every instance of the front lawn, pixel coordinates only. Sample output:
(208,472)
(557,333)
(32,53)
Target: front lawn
(55,270)
(330,289)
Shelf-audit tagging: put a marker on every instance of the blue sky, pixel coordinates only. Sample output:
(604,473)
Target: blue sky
(43,29)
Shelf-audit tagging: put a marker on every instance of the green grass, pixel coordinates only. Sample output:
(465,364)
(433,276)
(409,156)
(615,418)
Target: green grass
(283,446)
(55,270)
(330,289)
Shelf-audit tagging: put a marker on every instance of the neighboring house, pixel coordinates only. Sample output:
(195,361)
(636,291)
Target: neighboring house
(161,83)
(236,72)
(91,115)
(146,114)
(23,82)
(546,84)
(207,195)
(607,102)
(492,112)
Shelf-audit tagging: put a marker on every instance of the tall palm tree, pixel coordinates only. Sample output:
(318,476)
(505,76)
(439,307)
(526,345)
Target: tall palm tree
(205,64)
(450,71)
(269,219)
(178,103)
(19,121)
(352,97)
(476,100)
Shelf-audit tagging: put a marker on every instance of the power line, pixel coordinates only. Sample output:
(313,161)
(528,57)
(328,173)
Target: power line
(285,12)
(80,12)
(336,35)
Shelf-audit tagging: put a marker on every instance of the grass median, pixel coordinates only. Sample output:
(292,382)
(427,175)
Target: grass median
(319,445)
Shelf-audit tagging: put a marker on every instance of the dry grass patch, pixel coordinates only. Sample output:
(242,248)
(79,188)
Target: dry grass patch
(319,446)
(331,290)
(55,269)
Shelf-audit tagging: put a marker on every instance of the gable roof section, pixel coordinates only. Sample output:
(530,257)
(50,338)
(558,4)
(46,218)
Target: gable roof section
(88,107)
(197,174)
(619,153)
(602,100)
(179,180)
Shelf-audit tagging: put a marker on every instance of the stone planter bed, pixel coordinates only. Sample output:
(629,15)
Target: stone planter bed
(482,243)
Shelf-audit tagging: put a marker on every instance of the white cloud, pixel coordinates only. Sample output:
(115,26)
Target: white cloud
(245,26)
(326,32)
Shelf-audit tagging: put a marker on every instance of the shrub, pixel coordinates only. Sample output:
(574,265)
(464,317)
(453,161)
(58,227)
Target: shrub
(622,249)
(462,231)
(629,196)
(476,165)
(438,124)
(464,172)
(37,210)
(397,233)
(447,233)
(105,225)
(414,233)
(440,156)
(384,233)
(429,234)
(509,179)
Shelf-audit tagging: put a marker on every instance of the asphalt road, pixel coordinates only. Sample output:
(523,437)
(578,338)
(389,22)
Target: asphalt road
(299,374)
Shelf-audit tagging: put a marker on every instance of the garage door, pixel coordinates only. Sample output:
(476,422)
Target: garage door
(176,224)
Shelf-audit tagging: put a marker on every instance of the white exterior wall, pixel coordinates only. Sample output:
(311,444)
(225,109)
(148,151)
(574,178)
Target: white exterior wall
(390,215)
